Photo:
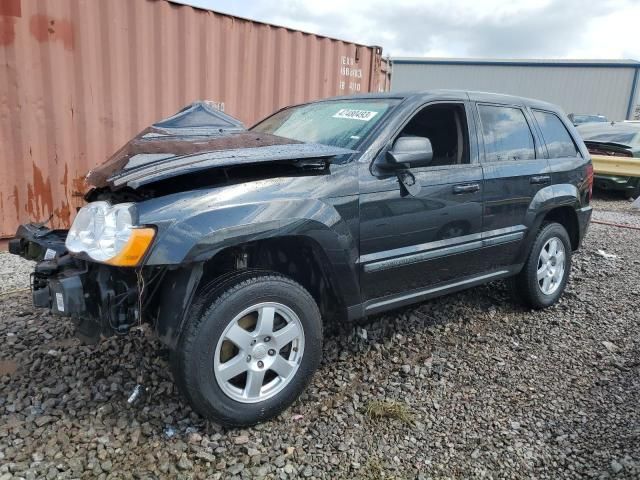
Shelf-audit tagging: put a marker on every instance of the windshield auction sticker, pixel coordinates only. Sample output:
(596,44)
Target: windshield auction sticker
(364,115)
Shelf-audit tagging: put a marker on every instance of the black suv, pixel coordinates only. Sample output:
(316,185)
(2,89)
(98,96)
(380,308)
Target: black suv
(235,244)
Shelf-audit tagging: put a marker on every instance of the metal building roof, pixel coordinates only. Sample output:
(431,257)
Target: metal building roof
(521,62)
(607,86)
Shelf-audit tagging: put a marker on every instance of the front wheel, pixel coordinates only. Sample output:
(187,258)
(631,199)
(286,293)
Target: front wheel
(251,350)
(546,271)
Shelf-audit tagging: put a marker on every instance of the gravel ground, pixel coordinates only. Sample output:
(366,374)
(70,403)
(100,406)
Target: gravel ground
(14,273)
(469,385)
(610,208)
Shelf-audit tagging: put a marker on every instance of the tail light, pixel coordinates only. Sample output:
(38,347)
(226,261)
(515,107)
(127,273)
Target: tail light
(589,180)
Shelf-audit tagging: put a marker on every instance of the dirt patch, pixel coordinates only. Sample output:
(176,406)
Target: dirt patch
(8,367)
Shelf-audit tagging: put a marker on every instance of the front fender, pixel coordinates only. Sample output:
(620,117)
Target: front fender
(193,234)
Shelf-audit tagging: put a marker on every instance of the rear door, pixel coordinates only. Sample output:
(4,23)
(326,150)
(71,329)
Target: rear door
(515,170)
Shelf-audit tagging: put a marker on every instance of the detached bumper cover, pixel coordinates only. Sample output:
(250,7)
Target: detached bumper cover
(36,242)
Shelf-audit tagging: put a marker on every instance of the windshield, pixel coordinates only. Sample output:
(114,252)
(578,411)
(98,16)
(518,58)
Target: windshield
(339,123)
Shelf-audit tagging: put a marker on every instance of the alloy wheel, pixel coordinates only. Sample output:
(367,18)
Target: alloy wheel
(551,266)
(259,352)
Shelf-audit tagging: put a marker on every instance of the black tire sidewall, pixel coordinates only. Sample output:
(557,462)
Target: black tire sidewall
(532,290)
(204,392)
(633,193)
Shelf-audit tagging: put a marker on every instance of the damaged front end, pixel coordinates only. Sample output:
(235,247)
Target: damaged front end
(101,299)
(95,273)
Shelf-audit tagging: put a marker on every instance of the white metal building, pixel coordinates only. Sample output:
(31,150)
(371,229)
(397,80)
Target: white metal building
(606,87)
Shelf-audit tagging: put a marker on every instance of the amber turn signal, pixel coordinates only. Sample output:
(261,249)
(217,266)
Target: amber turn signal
(134,249)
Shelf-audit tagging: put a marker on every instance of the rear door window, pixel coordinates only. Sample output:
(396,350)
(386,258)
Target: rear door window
(555,134)
(506,134)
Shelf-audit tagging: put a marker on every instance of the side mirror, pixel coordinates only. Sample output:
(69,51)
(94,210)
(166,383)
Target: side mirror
(411,152)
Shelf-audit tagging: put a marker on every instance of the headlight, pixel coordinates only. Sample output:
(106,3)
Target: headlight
(106,233)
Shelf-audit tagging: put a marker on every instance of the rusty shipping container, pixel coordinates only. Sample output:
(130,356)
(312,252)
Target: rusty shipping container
(78,78)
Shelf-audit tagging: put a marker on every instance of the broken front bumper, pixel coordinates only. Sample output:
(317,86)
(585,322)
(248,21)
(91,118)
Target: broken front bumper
(59,289)
(101,300)
(35,242)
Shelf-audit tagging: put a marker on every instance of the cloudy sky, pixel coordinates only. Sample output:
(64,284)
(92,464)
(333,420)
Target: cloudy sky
(461,28)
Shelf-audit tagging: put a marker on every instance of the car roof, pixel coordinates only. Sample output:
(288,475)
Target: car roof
(419,96)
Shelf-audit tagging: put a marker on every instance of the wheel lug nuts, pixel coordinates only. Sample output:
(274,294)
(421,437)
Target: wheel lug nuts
(260,364)
(248,358)
(272,352)
(267,339)
(253,342)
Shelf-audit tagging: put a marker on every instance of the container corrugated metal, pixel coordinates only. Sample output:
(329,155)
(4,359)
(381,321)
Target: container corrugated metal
(607,87)
(78,78)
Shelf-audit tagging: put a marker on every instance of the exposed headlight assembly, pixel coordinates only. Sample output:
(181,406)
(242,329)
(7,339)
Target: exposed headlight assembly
(106,234)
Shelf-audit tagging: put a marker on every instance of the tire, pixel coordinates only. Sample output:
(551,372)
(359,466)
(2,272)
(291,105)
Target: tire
(542,293)
(240,308)
(633,194)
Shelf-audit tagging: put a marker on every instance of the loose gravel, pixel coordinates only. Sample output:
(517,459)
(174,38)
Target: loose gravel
(14,273)
(469,385)
(622,212)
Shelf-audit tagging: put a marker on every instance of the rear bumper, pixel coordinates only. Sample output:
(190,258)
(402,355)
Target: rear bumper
(611,182)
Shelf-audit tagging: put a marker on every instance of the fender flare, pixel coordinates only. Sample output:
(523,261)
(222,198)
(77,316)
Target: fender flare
(546,199)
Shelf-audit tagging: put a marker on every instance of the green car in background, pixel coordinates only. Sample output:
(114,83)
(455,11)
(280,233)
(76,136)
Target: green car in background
(620,139)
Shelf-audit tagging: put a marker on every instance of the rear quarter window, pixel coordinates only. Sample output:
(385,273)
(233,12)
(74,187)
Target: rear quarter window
(556,136)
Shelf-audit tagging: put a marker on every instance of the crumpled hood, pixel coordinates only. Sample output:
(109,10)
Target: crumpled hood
(198,137)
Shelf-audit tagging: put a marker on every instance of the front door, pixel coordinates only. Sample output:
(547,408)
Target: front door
(416,236)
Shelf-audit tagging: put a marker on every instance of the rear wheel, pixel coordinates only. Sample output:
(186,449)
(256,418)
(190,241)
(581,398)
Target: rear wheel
(251,351)
(546,271)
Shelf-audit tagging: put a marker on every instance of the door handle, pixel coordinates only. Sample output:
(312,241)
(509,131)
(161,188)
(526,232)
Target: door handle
(466,188)
(538,179)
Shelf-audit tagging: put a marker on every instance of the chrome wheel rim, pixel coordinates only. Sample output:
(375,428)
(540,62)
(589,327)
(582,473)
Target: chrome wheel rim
(551,266)
(259,352)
